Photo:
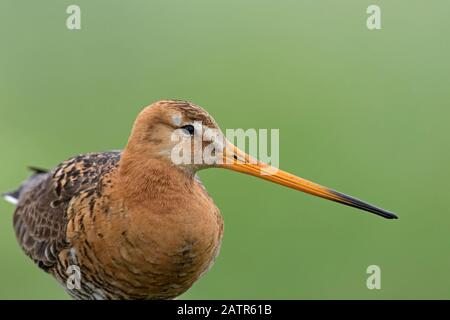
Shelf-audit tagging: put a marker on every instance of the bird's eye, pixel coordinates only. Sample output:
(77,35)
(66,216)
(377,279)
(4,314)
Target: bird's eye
(189,129)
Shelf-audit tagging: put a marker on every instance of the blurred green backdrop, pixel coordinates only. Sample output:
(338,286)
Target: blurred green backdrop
(365,112)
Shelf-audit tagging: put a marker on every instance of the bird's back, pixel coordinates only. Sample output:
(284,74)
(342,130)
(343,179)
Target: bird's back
(78,215)
(40,219)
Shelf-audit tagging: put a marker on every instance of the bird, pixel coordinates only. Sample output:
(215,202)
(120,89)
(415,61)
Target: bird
(136,223)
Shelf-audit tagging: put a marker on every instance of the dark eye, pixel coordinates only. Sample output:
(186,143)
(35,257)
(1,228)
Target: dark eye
(189,129)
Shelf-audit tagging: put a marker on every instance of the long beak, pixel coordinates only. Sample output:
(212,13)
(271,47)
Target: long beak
(237,160)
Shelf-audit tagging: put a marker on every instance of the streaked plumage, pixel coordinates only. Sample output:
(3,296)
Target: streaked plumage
(137,226)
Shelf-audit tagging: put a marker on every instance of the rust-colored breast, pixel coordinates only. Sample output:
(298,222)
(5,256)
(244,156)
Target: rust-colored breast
(81,216)
(151,250)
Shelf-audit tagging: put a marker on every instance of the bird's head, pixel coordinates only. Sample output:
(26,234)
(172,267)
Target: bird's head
(175,131)
(185,135)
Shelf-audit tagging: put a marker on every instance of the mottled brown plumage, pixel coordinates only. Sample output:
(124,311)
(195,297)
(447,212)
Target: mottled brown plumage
(136,224)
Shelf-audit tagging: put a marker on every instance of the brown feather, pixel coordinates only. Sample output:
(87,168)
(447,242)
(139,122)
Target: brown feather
(137,226)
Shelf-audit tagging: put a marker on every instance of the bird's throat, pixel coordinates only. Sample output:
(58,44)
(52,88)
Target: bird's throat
(143,180)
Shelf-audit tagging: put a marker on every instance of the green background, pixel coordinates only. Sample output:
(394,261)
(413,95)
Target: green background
(364,112)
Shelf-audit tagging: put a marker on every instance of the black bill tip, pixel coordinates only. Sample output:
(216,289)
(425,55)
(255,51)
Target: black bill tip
(356,203)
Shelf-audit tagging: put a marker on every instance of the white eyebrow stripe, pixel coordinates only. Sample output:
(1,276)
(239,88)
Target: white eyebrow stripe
(176,119)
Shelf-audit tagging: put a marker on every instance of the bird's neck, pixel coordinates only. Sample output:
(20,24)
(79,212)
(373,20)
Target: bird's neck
(143,179)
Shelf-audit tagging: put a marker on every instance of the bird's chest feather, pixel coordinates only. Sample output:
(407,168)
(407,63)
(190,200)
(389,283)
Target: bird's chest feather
(155,249)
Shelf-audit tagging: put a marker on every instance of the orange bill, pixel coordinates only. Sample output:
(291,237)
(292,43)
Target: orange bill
(237,160)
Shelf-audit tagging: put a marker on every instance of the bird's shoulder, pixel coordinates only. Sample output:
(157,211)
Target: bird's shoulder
(82,172)
(41,216)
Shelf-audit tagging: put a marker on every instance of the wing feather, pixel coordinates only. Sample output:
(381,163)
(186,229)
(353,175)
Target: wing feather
(40,219)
